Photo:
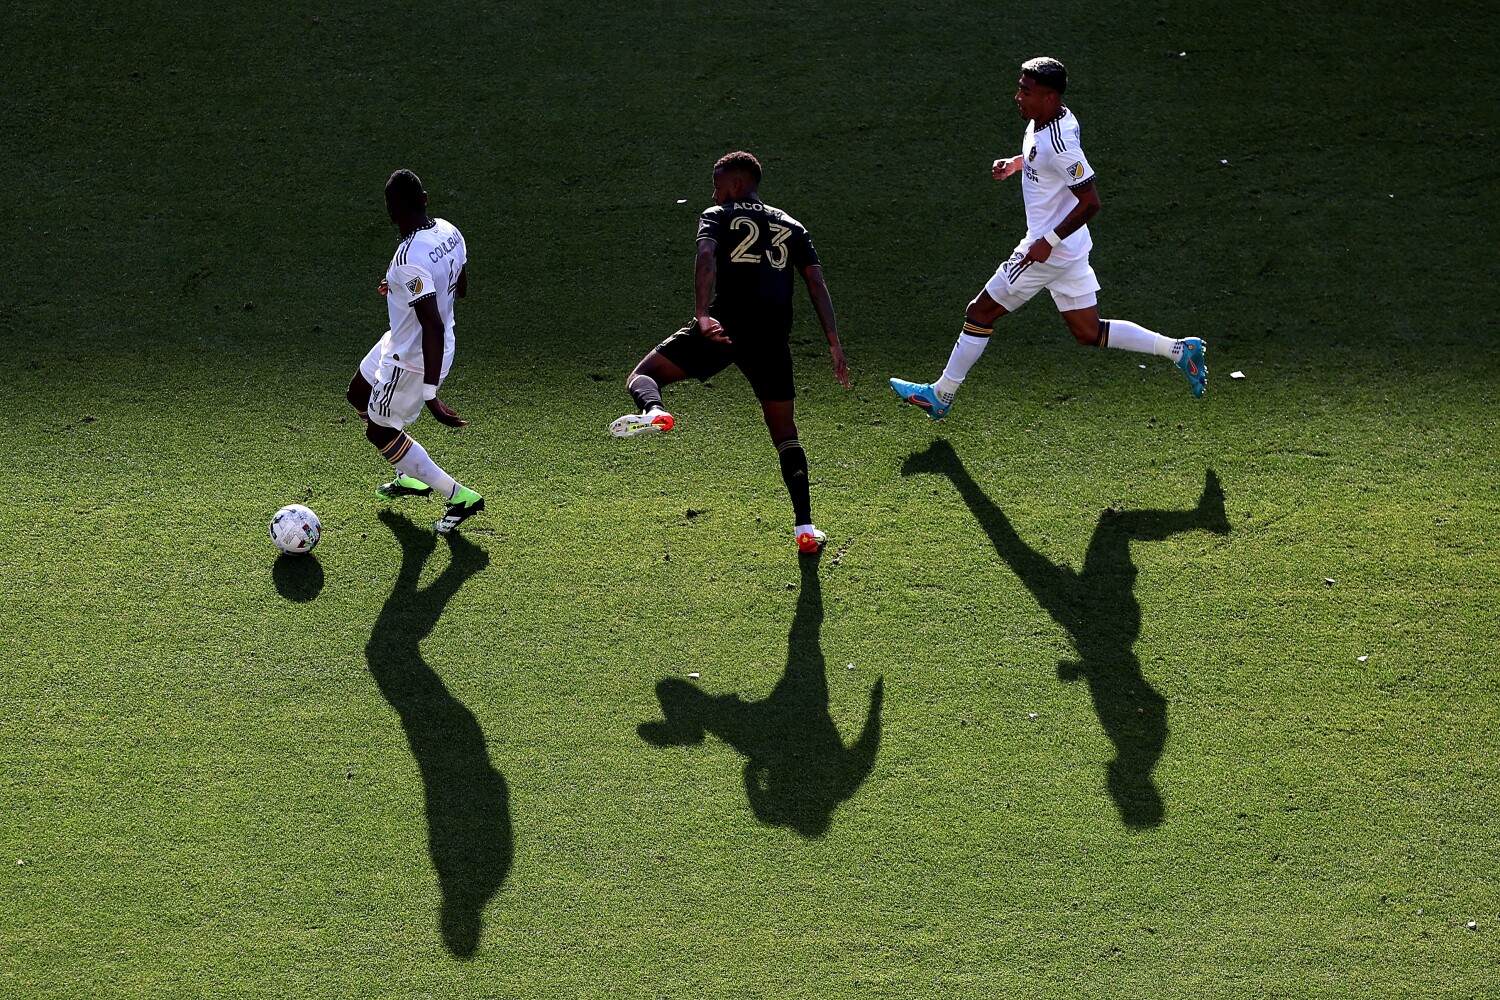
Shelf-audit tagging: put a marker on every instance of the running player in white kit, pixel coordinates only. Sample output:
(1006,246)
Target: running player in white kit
(403,370)
(1058,185)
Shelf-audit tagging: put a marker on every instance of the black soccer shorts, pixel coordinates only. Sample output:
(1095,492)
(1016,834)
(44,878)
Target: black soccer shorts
(765,360)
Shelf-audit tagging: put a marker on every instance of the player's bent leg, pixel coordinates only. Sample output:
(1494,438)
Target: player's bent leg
(358,395)
(411,460)
(984,310)
(1187,354)
(1086,327)
(645,384)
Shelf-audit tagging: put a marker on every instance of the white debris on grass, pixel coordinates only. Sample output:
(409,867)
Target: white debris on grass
(1236,374)
(695,675)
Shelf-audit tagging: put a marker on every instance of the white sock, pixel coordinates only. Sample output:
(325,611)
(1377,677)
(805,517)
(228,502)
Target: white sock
(415,462)
(1127,336)
(803,529)
(965,352)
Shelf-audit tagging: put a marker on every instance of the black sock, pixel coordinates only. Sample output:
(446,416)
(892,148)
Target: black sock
(794,474)
(645,391)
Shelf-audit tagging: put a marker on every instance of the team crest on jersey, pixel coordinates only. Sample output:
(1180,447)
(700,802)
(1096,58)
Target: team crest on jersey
(1076,171)
(414,285)
(1031,157)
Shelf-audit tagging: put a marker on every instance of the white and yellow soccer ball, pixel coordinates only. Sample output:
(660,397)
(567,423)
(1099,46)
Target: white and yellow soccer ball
(295,529)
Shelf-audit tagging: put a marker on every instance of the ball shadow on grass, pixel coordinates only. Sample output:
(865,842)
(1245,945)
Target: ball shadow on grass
(298,578)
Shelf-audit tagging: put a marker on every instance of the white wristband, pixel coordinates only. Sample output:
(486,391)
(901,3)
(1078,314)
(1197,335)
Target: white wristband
(1053,238)
(429,391)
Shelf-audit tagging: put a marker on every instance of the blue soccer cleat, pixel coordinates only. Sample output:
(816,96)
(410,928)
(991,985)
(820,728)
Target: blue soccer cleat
(921,395)
(1193,366)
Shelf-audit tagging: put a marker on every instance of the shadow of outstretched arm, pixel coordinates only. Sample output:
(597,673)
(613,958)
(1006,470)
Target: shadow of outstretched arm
(467,801)
(859,759)
(797,769)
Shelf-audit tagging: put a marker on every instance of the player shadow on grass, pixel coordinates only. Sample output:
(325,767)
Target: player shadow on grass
(798,769)
(468,804)
(1098,609)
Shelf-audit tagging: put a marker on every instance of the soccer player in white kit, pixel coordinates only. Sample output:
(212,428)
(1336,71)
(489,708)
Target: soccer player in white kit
(1058,185)
(404,369)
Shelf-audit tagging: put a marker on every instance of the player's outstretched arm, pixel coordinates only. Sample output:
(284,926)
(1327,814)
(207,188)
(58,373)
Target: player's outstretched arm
(1004,167)
(432,362)
(817,290)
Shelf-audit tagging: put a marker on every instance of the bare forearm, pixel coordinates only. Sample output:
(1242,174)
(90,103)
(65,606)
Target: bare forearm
(823,306)
(1077,219)
(432,353)
(1086,208)
(703,282)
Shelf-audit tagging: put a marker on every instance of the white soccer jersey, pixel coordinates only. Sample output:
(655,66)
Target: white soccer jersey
(1052,162)
(426,265)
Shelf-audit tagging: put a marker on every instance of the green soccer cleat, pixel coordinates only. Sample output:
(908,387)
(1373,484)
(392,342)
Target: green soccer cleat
(464,505)
(402,486)
(1193,366)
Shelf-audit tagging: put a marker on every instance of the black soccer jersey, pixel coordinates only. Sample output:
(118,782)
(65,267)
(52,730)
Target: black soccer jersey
(759,249)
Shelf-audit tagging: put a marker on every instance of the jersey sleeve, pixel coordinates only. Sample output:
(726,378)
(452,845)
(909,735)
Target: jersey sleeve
(711,223)
(804,254)
(413,283)
(1070,162)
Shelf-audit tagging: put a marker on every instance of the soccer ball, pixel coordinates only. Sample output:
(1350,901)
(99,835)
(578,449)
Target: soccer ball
(295,529)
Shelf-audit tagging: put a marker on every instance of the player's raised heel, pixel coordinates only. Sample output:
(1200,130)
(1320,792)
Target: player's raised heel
(1193,366)
(922,395)
(402,486)
(810,540)
(651,422)
(464,505)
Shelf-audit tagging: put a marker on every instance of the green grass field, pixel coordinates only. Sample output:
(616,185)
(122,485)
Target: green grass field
(1048,719)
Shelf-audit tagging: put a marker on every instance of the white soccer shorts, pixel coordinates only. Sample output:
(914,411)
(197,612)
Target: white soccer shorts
(395,395)
(371,363)
(1072,284)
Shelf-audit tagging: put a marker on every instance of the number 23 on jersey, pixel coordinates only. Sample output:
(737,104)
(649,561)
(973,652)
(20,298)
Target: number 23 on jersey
(744,252)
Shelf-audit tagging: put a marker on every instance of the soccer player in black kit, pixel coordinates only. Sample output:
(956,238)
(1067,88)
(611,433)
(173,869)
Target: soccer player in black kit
(747,252)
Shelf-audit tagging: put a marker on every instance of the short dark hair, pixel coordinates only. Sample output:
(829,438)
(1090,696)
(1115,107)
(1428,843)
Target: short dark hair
(404,189)
(740,160)
(1048,72)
